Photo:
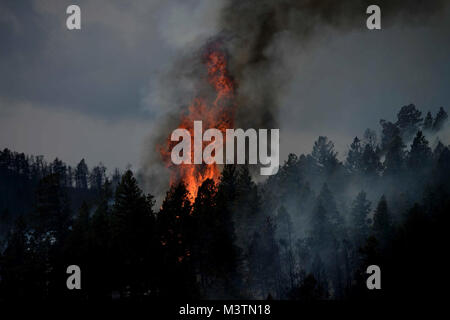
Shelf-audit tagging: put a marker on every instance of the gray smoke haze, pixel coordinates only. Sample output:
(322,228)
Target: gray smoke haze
(260,39)
(261,36)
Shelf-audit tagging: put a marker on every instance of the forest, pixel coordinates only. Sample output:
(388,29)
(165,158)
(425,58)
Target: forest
(307,233)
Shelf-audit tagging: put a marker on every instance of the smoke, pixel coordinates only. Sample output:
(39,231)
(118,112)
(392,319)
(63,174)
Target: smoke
(262,34)
(260,38)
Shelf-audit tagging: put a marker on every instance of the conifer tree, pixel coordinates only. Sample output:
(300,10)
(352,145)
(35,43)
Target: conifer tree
(264,261)
(97,176)
(428,122)
(440,119)
(324,154)
(81,175)
(370,161)
(382,221)
(354,156)
(176,228)
(132,224)
(52,209)
(100,259)
(360,212)
(409,120)
(286,239)
(328,201)
(420,154)
(393,148)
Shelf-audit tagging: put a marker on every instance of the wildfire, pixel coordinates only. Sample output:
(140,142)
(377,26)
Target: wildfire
(215,113)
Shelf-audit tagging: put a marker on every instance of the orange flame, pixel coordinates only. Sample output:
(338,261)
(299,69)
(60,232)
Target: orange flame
(218,114)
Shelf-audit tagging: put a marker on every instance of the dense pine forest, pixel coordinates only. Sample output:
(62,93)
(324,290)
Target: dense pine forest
(307,233)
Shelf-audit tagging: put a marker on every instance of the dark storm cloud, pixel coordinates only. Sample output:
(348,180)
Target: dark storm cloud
(90,93)
(262,32)
(308,67)
(99,70)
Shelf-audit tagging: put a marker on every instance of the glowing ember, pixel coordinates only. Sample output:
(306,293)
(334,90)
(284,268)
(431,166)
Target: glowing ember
(218,113)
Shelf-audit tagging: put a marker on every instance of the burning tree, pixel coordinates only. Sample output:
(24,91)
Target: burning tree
(215,112)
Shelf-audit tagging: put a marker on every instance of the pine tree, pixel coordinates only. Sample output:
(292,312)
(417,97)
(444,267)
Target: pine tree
(359,213)
(264,262)
(393,147)
(52,209)
(289,176)
(205,215)
(420,154)
(214,251)
(323,153)
(100,258)
(53,219)
(226,208)
(428,122)
(321,228)
(370,138)
(382,221)
(286,238)
(408,121)
(329,203)
(59,168)
(438,150)
(115,180)
(97,176)
(440,119)
(81,175)
(246,206)
(370,161)
(176,227)
(132,224)
(354,156)
(174,217)
(101,219)
(69,177)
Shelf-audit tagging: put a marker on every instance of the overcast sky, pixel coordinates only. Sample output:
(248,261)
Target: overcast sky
(93,93)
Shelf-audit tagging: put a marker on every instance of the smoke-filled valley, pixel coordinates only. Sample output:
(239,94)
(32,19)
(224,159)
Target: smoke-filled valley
(306,233)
